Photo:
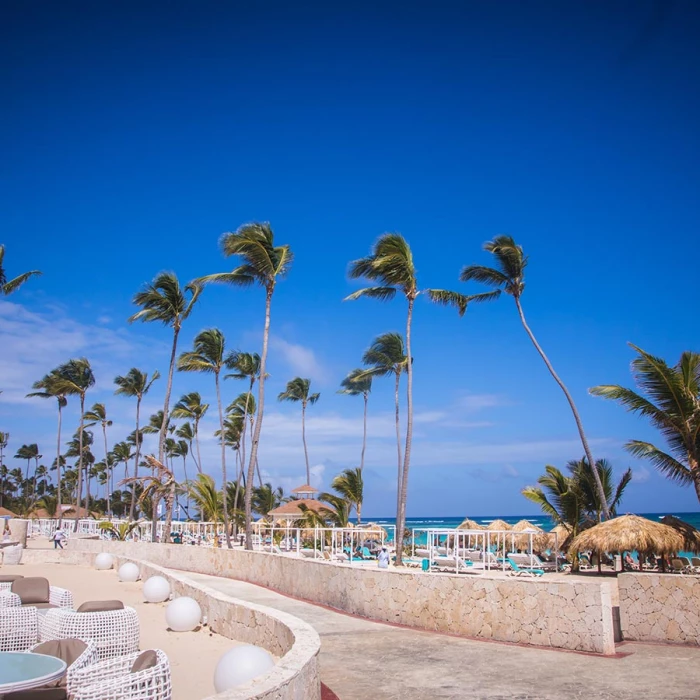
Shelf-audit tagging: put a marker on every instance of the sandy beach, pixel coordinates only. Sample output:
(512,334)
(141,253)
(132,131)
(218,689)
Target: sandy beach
(193,655)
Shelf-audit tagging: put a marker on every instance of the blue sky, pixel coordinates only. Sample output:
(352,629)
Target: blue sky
(134,134)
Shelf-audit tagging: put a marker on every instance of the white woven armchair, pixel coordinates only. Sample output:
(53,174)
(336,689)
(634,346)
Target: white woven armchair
(19,628)
(60,597)
(115,632)
(87,658)
(9,600)
(113,679)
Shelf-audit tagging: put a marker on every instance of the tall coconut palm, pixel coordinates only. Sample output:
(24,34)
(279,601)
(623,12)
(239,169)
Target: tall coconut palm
(243,407)
(265,499)
(207,498)
(390,266)
(98,414)
(209,356)
(263,263)
(190,407)
(350,486)
(186,435)
(182,449)
(29,452)
(670,398)
(509,276)
(234,431)
(7,287)
(49,387)
(74,378)
(165,301)
(122,454)
(4,439)
(297,391)
(359,383)
(581,471)
(387,356)
(135,383)
(79,446)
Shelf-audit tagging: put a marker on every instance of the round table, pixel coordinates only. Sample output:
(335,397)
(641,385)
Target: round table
(22,670)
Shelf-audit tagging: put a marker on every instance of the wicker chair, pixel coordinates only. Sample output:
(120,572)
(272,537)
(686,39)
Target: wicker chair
(19,628)
(114,679)
(33,591)
(9,600)
(115,632)
(11,556)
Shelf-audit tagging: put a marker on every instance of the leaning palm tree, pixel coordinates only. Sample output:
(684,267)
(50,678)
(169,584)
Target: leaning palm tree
(350,486)
(190,407)
(209,356)
(48,387)
(206,497)
(509,277)
(164,300)
(359,383)
(670,398)
(390,266)
(75,377)
(581,471)
(135,383)
(263,263)
(387,356)
(297,391)
(7,287)
(98,414)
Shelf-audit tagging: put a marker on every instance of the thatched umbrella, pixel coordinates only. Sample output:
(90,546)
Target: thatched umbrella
(369,529)
(498,525)
(540,540)
(468,524)
(690,534)
(629,533)
(562,532)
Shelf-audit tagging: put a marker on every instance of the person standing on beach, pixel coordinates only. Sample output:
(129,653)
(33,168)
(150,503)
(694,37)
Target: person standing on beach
(58,537)
(383,559)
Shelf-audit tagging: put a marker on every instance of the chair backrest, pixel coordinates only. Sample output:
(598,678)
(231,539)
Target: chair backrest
(513,564)
(685,561)
(677,565)
(100,606)
(68,650)
(9,578)
(695,561)
(32,589)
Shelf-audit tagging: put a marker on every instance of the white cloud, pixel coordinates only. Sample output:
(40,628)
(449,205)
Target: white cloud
(300,359)
(478,402)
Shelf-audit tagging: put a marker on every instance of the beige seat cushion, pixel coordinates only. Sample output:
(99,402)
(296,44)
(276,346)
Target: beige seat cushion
(68,650)
(32,590)
(146,659)
(100,606)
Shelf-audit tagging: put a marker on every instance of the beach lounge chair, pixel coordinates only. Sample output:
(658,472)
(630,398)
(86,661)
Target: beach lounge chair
(680,566)
(695,563)
(520,571)
(366,554)
(525,561)
(584,562)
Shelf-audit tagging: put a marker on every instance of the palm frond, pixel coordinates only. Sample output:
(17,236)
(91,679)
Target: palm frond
(665,463)
(381,293)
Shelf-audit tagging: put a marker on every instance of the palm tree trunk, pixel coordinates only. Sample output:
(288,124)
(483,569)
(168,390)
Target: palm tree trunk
(223,461)
(398,446)
(184,469)
(364,436)
(163,429)
(169,505)
(401,520)
(303,439)
(104,435)
(58,466)
(196,439)
(79,495)
(258,423)
(137,435)
(577,418)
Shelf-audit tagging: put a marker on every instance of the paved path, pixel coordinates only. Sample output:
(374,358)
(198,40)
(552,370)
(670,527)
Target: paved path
(364,660)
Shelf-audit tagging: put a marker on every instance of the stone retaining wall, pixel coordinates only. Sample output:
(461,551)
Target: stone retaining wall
(660,607)
(564,614)
(296,675)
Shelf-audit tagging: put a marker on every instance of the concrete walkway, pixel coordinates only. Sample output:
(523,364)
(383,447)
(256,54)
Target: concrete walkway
(363,660)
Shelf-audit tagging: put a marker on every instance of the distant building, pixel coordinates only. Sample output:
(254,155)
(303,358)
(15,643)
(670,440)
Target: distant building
(291,511)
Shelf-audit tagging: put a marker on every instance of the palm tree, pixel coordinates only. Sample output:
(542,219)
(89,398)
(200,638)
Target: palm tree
(265,499)
(297,391)
(390,265)
(79,446)
(338,511)
(509,277)
(7,287)
(264,263)
(670,398)
(209,356)
(190,407)
(74,378)
(387,356)
(581,471)
(28,452)
(186,433)
(49,387)
(350,486)
(4,439)
(165,301)
(206,497)
(359,383)
(246,365)
(122,453)
(98,414)
(135,383)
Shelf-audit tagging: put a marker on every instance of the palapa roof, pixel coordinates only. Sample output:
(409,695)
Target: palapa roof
(5,513)
(690,535)
(498,525)
(306,488)
(373,527)
(526,526)
(468,524)
(627,533)
(292,511)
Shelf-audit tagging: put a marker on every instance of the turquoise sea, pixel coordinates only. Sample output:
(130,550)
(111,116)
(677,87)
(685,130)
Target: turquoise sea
(542,521)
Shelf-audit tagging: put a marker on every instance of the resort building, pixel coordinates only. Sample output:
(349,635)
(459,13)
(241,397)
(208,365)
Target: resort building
(289,512)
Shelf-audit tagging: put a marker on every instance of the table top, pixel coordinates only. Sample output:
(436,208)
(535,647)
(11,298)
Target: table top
(22,670)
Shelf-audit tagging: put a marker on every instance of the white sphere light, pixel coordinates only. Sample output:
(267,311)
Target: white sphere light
(128,572)
(239,665)
(104,561)
(156,589)
(183,614)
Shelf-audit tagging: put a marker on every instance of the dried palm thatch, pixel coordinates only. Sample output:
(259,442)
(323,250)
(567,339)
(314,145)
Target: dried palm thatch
(368,529)
(498,525)
(563,535)
(540,539)
(468,524)
(691,535)
(628,533)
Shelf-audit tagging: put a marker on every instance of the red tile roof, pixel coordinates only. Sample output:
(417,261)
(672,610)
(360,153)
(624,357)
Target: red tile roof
(292,507)
(306,488)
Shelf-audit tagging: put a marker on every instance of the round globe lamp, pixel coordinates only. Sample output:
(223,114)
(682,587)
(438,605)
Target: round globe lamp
(156,590)
(239,665)
(129,572)
(104,561)
(183,614)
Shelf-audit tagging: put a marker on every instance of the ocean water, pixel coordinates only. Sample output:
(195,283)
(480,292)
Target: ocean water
(542,521)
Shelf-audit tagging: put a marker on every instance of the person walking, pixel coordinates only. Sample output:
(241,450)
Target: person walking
(58,538)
